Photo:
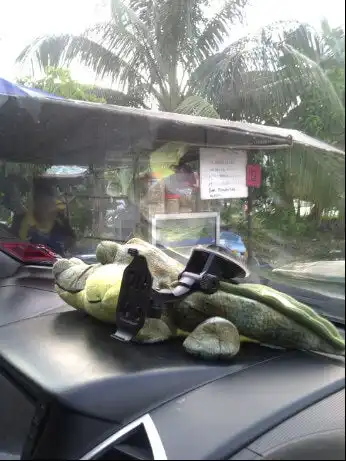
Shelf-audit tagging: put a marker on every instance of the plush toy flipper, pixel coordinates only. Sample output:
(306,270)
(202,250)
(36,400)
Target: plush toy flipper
(216,339)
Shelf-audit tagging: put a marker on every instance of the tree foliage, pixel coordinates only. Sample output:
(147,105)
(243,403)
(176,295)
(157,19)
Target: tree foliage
(319,179)
(149,47)
(58,81)
(170,54)
(301,87)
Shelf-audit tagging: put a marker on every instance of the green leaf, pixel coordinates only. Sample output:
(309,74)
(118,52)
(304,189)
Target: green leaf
(197,106)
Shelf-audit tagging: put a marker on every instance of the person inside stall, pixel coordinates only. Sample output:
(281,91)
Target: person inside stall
(181,188)
(44,223)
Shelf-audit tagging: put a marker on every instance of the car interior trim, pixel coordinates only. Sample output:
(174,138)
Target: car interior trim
(152,433)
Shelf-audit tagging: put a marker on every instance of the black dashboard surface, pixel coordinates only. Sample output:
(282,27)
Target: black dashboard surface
(233,411)
(62,356)
(72,357)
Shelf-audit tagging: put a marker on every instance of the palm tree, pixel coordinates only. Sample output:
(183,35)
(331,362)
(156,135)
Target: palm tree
(321,113)
(60,83)
(264,76)
(149,47)
(324,53)
(293,76)
(316,108)
(169,53)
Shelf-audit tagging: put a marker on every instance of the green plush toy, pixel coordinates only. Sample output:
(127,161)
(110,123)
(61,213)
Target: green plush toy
(214,325)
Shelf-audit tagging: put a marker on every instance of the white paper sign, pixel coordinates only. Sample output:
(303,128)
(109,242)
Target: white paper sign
(223,173)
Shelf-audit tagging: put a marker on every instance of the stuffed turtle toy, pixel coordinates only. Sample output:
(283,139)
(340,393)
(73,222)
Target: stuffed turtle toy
(214,325)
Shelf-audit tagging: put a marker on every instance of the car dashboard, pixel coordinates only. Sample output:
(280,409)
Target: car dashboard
(70,391)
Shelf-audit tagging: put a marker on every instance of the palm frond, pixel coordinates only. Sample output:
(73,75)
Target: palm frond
(177,23)
(131,31)
(259,70)
(308,70)
(173,25)
(58,51)
(218,27)
(334,39)
(144,9)
(117,98)
(315,178)
(49,51)
(197,106)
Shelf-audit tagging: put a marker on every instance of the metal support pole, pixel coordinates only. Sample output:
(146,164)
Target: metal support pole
(249,225)
(250,159)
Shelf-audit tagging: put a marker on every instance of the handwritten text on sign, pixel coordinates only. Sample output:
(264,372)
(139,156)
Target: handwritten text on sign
(223,173)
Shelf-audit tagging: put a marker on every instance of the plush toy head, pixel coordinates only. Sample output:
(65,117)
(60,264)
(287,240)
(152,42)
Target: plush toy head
(96,288)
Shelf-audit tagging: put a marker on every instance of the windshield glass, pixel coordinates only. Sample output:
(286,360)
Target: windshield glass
(69,180)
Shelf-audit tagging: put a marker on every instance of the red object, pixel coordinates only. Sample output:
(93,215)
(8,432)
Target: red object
(172,196)
(28,253)
(254,176)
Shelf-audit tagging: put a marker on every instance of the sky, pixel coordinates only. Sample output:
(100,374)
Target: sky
(22,20)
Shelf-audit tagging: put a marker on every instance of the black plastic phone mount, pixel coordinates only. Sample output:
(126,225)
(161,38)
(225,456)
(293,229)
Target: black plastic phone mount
(138,300)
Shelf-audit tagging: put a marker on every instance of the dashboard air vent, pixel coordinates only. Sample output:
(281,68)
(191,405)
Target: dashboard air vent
(134,445)
(136,441)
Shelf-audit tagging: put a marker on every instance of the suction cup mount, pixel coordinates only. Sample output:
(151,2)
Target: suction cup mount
(138,300)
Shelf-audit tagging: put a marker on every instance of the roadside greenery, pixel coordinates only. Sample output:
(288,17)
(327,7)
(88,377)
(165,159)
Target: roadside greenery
(170,55)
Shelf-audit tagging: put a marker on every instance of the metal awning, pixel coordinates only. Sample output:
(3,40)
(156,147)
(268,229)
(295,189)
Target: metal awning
(8,88)
(65,132)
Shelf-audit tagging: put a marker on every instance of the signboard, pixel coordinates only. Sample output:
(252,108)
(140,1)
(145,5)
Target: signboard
(254,176)
(222,173)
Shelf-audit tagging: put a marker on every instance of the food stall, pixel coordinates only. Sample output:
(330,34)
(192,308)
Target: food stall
(180,164)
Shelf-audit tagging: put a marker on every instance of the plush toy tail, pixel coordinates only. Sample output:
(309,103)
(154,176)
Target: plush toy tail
(292,309)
